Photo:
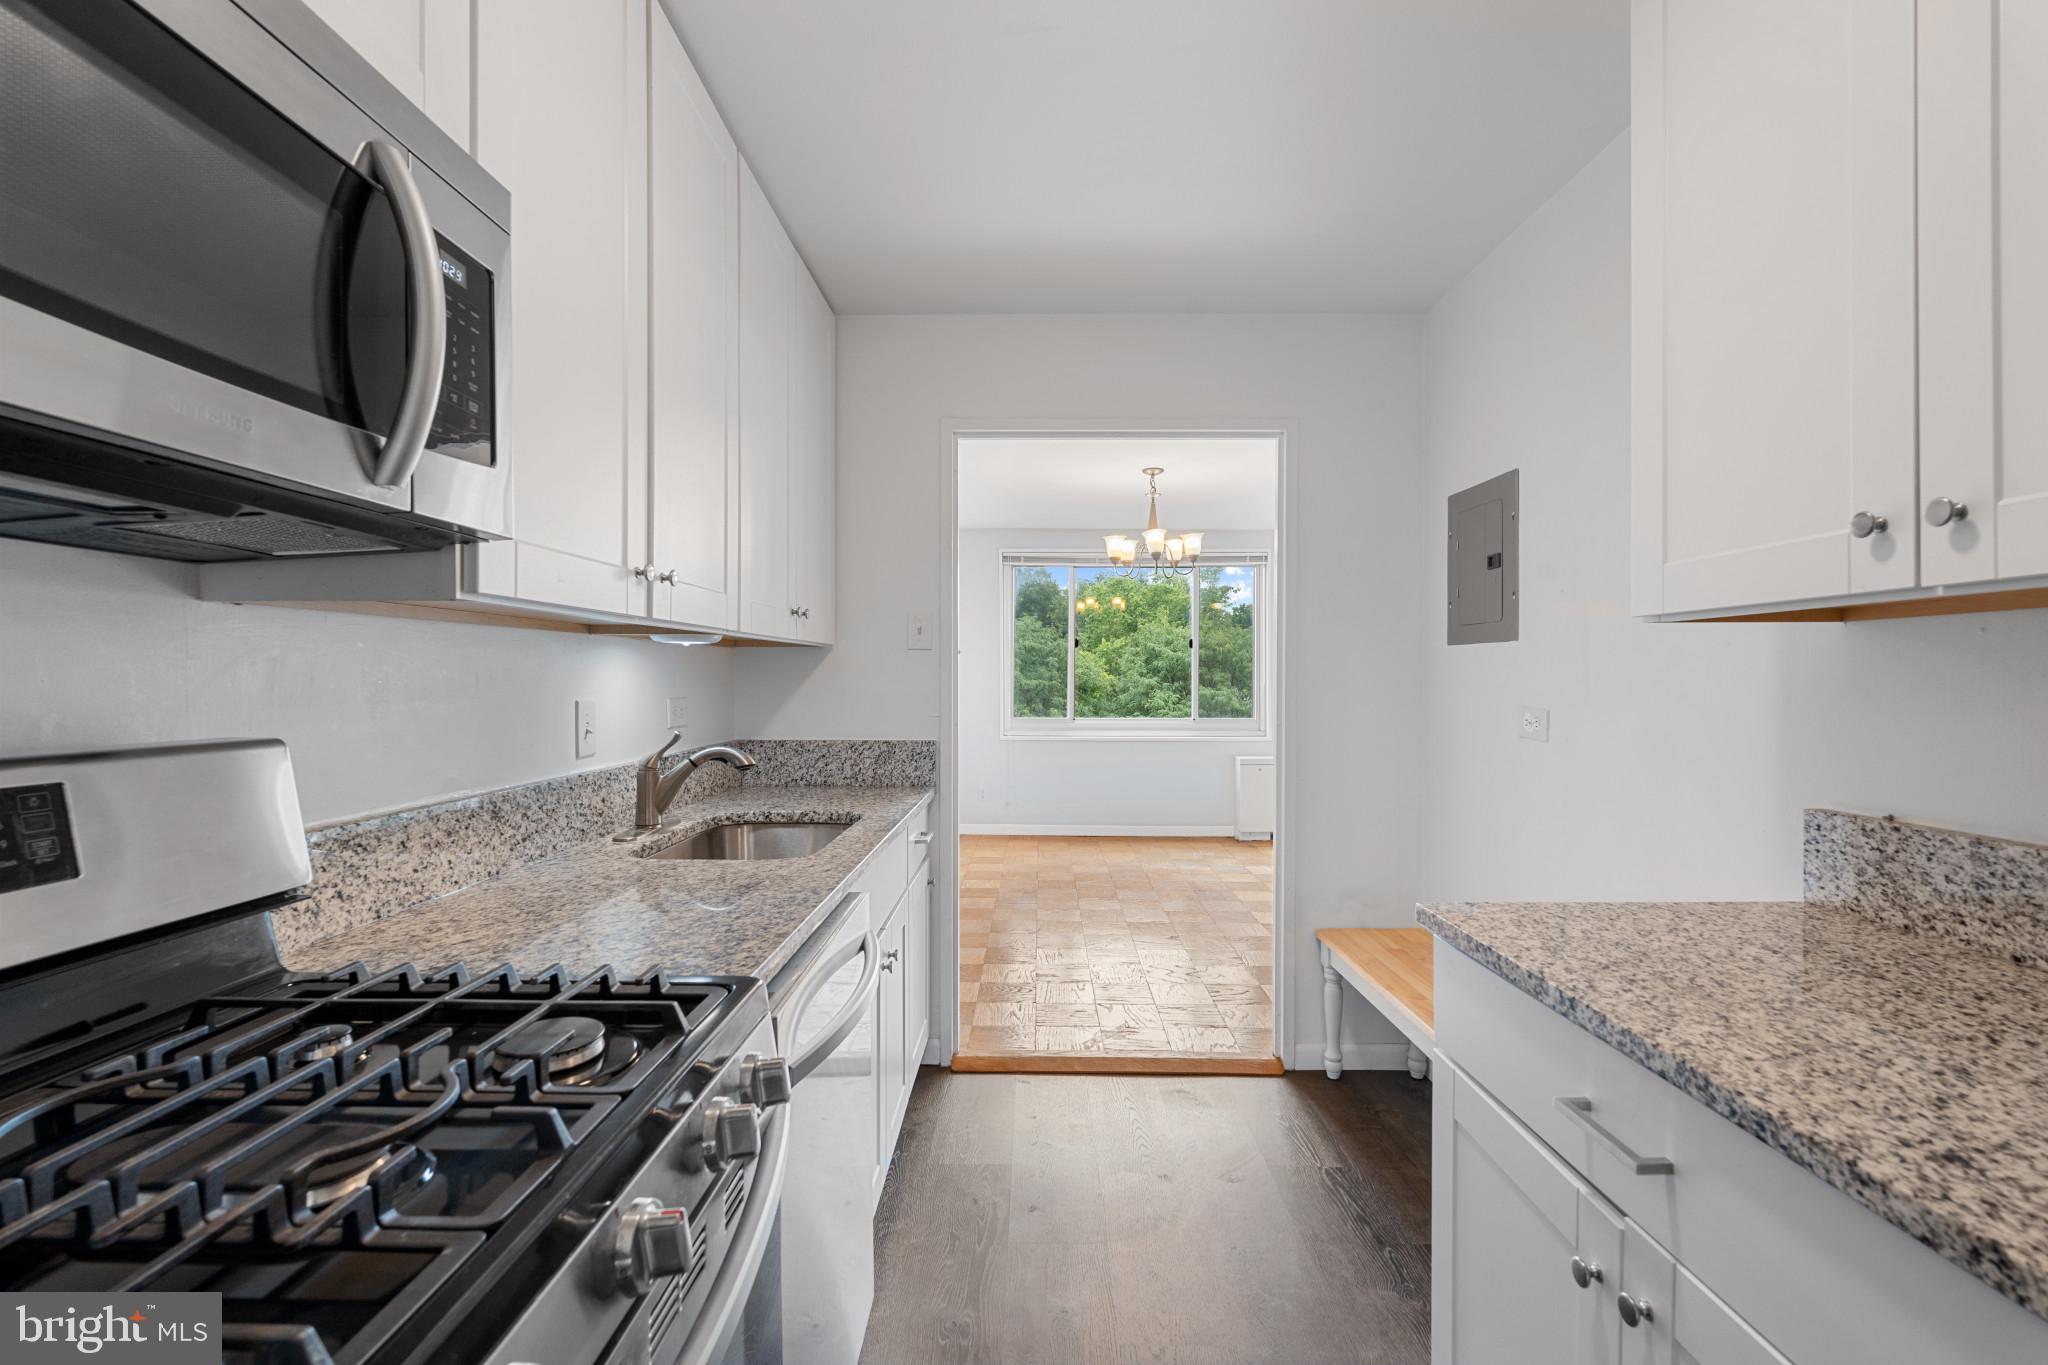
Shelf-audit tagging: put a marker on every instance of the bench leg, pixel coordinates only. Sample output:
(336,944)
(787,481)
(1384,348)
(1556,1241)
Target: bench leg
(1418,1062)
(1333,1018)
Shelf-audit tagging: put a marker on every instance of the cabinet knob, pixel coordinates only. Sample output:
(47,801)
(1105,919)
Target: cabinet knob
(889,959)
(792,611)
(1864,525)
(1942,511)
(1634,1311)
(643,572)
(1585,1273)
(804,612)
(667,576)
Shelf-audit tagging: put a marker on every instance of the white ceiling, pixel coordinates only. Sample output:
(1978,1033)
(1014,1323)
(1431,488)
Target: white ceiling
(1063,483)
(1050,156)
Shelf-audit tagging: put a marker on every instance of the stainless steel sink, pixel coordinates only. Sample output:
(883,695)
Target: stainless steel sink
(755,841)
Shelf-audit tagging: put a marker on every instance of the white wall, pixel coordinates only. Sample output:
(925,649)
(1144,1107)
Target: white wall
(100,649)
(1130,786)
(1680,755)
(1351,386)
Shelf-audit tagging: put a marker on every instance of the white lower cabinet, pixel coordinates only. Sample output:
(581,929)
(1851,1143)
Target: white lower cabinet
(1525,1231)
(1586,1212)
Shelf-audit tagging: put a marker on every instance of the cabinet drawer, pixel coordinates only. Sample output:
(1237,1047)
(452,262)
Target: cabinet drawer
(1819,1276)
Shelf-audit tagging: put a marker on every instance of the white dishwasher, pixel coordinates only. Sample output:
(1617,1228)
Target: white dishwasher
(826,1027)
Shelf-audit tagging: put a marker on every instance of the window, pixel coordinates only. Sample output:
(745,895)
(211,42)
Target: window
(1094,649)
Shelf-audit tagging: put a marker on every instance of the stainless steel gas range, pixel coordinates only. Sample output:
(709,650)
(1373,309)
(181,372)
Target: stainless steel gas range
(373,1165)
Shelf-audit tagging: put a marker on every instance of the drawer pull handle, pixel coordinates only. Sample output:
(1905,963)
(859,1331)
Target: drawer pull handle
(1580,1111)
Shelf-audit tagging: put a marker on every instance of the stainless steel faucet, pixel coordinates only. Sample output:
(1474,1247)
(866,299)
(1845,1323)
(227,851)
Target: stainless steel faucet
(654,793)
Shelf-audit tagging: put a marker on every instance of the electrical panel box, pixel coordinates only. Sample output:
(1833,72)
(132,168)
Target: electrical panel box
(1483,579)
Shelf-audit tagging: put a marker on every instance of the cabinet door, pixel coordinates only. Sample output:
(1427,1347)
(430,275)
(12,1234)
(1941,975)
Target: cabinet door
(917,986)
(1983,288)
(1684,1323)
(889,1031)
(420,46)
(1773,288)
(767,273)
(811,459)
(1510,1219)
(693,342)
(561,120)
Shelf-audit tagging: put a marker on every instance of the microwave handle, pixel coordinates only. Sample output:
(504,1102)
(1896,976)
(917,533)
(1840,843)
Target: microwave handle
(392,465)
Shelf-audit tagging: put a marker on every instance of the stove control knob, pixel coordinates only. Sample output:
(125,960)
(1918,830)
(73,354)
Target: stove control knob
(765,1080)
(732,1132)
(653,1241)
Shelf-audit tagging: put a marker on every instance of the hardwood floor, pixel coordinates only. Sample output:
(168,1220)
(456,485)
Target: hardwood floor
(1078,947)
(1196,1220)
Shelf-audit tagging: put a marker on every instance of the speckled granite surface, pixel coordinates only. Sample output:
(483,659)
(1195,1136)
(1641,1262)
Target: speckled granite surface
(842,762)
(366,869)
(363,869)
(603,903)
(1908,1071)
(1980,890)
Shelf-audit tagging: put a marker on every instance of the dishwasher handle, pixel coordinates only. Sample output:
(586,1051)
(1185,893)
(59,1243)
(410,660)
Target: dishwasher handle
(808,1058)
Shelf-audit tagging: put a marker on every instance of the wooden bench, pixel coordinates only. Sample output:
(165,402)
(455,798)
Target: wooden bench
(1392,969)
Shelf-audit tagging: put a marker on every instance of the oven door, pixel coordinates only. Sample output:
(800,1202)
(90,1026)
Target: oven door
(827,1028)
(207,250)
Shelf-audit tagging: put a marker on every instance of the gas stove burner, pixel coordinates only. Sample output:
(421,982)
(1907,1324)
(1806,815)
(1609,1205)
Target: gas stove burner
(341,1180)
(329,1040)
(563,1043)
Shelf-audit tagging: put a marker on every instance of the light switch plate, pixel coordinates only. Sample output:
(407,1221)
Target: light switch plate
(920,630)
(678,713)
(586,729)
(1535,723)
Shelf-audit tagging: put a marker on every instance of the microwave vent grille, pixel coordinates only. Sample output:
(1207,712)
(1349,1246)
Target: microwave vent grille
(267,535)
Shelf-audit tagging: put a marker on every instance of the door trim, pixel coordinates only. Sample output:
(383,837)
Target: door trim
(945,1044)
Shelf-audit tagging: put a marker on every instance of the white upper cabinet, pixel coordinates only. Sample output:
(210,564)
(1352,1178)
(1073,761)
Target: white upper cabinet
(561,120)
(693,352)
(420,46)
(1773,165)
(1983,289)
(812,446)
(768,267)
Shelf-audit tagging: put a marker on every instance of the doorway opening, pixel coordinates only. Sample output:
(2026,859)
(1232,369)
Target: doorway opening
(1116,713)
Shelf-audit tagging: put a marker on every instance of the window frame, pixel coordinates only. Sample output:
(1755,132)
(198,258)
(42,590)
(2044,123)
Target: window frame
(1195,726)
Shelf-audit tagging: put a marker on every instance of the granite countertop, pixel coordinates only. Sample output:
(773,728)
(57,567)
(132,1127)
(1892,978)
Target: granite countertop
(1908,1071)
(602,904)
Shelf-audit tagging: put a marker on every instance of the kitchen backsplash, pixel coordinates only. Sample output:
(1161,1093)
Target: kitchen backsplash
(1970,887)
(365,869)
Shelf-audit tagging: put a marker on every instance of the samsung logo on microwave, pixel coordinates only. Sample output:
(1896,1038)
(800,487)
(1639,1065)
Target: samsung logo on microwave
(213,414)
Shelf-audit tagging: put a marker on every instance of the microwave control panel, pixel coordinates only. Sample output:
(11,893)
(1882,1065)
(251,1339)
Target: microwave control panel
(463,425)
(36,845)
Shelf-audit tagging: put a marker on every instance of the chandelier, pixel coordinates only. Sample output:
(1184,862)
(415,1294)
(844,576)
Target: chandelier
(1175,554)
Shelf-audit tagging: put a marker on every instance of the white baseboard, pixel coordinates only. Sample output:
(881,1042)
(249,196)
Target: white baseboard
(1107,831)
(1357,1057)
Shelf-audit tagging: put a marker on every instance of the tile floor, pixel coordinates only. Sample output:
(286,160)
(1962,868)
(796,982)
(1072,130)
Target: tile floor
(1119,947)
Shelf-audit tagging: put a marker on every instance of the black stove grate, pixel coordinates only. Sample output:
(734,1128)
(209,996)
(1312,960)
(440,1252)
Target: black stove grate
(326,1154)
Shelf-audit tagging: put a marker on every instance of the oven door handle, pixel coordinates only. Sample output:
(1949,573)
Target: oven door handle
(393,465)
(813,1054)
(734,1283)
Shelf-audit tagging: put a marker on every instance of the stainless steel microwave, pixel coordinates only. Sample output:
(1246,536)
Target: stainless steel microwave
(252,300)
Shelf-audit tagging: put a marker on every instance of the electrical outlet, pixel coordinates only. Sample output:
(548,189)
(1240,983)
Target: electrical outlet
(1536,724)
(586,729)
(920,630)
(678,713)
